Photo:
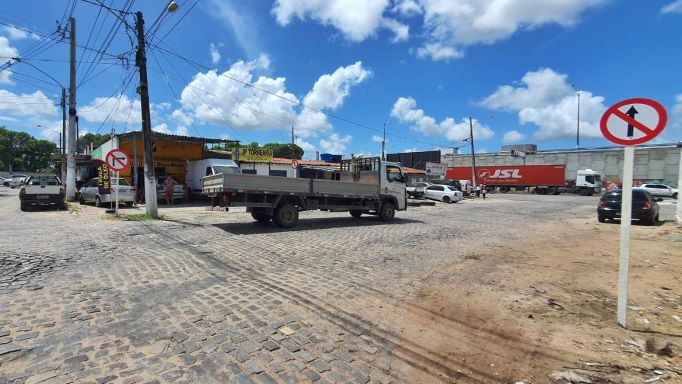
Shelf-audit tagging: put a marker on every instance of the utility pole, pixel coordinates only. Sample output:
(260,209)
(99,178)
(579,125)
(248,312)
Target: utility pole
(293,142)
(383,145)
(577,131)
(149,179)
(71,156)
(62,139)
(473,155)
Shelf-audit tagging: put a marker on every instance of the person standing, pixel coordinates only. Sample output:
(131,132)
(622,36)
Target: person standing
(478,191)
(169,185)
(484,190)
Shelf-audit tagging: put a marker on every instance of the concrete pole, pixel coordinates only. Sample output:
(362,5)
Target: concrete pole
(149,179)
(71,156)
(383,145)
(473,154)
(62,172)
(625,219)
(679,186)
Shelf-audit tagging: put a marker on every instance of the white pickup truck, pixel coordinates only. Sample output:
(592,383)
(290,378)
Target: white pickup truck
(42,190)
(361,186)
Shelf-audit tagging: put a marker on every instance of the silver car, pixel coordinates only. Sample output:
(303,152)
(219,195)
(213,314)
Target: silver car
(178,189)
(89,192)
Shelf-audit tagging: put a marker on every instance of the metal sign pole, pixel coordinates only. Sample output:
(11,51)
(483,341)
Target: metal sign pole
(118,180)
(625,220)
(679,186)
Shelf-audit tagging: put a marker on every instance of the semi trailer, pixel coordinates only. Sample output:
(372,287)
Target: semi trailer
(549,179)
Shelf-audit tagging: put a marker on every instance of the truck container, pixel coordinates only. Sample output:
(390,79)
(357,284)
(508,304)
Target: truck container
(360,186)
(544,179)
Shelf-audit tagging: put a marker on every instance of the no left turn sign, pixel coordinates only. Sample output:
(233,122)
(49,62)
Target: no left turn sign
(633,121)
(117,160)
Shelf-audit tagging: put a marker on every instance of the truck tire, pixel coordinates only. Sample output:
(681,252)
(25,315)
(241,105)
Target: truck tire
(286,215)
(504,188)
(553,191)
(260,216)
(583,192)
(387,211)
(355,213)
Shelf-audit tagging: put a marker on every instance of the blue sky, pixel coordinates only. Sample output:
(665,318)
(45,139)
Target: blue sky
(338,70)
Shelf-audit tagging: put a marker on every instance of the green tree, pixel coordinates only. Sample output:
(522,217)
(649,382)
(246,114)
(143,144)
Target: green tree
(286,151)
(96,139)
(19,151)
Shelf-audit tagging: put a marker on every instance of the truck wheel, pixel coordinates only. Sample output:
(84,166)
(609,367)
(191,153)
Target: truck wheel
(98,202)
(504,189)
(355,213)
(261,217)
(446,199)
(583,192)
(387,212)
(552,191)
(286,215)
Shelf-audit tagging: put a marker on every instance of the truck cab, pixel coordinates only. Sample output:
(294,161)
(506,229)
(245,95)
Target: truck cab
(197,169)
(392,183)
(588,182)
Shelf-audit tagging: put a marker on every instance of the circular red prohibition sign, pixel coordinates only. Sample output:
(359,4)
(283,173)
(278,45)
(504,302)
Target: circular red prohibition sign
(117,160)
(649,133)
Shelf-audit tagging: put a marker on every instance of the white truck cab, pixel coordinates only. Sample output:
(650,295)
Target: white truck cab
(589,179)
(392,183)
(197,169)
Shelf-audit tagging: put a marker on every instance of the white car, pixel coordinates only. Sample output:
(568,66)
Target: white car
(660,190)
(444,193)
(90,193)
(15,181)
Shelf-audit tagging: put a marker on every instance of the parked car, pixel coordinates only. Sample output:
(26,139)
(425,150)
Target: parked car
(644,206)
(178,189)
(42,190)
(660,190)
(416,190)
(16,181)
(4,181)
(90,192)
(444,193)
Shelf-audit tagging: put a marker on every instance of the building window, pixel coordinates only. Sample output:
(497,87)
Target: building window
(278,173)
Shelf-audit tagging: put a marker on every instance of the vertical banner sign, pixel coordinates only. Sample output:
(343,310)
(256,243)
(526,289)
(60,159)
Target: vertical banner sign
(630,122)
(103,179)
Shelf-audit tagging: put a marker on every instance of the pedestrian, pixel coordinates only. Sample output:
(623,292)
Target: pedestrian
(169,185)
(478,191)
(484,190)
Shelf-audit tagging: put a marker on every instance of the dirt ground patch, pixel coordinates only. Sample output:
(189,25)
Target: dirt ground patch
(544,310)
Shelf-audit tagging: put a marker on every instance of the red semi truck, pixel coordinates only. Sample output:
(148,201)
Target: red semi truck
(545,179)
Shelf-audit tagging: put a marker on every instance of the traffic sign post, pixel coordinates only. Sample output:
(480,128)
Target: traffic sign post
(117,160)
(622,125)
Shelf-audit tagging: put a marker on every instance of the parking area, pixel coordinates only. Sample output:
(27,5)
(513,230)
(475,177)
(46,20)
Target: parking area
(514,288)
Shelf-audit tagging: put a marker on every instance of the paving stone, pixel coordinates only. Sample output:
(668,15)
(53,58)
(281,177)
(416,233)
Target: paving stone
(359,377)
(242,378)
(264,378)
(4,333)
(178,348)
(26,336)
(178,337)
(252,367)
(172,375)
(297,365)
(41,377)
(158,347)
(5,340)
(106,379)
(311,375)
(187,359)
(240,355)
(208,346)
(320,366)
(276,367)
(191,346)
(76,359)
(227,347)
(305,355)
(290,345)
(270,345)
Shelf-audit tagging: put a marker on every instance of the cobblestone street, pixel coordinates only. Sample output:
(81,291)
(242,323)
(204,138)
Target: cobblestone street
(204,296)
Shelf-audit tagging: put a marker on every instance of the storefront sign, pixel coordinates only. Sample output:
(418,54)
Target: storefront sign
(104,179)
(436,169)
(253,154)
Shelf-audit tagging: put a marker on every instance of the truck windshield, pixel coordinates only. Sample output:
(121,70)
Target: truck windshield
(225,169)
(589,179)
(393,174)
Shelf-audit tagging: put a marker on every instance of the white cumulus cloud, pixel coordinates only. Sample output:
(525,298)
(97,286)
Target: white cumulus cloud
(215,55)
(27,104)
(335,143)
(329,92)
(356,19)
(406,111)
(513,136)
(674,7)
(546,100)
(121,109)
(17,34)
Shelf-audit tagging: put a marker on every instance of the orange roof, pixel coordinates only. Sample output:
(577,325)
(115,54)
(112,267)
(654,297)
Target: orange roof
(413,170)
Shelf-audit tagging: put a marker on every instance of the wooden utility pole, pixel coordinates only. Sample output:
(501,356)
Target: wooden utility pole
(149,179)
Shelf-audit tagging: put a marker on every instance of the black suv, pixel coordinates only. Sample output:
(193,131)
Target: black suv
(644,207)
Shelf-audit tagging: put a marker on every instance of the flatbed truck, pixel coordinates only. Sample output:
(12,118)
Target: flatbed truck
(359,186)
